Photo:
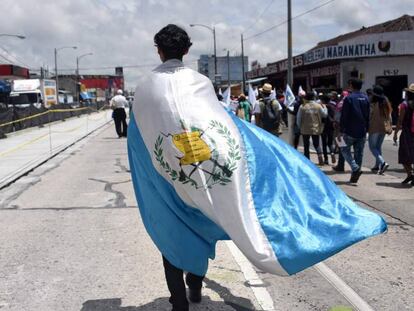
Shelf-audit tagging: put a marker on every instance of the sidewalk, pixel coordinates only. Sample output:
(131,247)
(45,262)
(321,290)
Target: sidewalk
(24,150)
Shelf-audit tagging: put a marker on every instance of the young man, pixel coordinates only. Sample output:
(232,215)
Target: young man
(193,182)
(354,125)
(268,112)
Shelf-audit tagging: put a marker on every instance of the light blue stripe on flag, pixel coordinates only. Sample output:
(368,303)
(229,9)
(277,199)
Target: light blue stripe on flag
(304,215)
(183,234)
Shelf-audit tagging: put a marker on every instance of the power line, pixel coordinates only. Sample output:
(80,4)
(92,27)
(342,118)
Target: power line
(260,16)
(123,66)
(16,58)
(293,18)
(6,59)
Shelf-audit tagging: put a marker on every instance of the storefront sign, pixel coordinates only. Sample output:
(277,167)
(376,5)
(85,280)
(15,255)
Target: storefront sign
(274,68)
(325,71)
(341,51)
(371,47)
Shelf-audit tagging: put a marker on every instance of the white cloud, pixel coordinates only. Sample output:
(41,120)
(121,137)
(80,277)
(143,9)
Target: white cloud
(120,33)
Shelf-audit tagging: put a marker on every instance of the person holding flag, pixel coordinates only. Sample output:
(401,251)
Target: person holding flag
(201,175)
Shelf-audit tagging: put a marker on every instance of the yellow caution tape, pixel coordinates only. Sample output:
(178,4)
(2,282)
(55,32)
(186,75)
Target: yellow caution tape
(23,119)
(46,112)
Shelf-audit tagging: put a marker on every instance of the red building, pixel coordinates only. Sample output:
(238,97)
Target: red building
(13,72)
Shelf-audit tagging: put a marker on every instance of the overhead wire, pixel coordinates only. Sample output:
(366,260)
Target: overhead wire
(6,59)
(259,17)
(123,66)
(293,18)
(15,57)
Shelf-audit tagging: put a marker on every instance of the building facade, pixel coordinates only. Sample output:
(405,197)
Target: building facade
(99,87)
(235,74)
(13,72)
(381,54)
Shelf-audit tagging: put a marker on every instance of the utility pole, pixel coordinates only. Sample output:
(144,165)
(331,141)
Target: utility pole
(228,68)
(215,55)
(56,77)
(289,81)
(77,74)
(56,69)
(213,30)
(242,60)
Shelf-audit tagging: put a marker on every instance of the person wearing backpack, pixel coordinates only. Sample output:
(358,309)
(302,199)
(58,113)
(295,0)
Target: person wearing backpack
(310,121)
(269,111)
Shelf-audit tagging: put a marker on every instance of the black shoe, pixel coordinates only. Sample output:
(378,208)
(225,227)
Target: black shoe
(383,167)
(355,176)
(338,169)
(407,180)
(375,169)
(194,295)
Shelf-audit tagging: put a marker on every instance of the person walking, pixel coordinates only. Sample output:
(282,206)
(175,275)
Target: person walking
(118,104)
(354,125)
(327,136)
(244,110)
(379,125)
(340,167)
(298,102)
(268,113)
(310,121)
(406,126)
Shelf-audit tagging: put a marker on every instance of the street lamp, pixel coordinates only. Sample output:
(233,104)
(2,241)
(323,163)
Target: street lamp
(12,35)
(213,30)
(56,69)
(77,72)
(228,68)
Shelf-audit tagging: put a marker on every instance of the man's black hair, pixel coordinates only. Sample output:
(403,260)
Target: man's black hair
(219,97)
(325,98)
(173,41)
(310,95)
(355,83)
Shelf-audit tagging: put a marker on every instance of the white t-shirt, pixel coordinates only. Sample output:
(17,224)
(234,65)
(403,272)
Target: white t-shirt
(119,101)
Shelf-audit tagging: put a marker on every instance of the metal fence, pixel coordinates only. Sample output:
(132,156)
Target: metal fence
(15,119)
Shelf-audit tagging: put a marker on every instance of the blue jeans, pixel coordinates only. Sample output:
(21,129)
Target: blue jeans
(358,145)
(375,141)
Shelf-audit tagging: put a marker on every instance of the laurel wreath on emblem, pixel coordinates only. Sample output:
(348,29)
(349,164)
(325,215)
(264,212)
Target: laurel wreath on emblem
(220,174)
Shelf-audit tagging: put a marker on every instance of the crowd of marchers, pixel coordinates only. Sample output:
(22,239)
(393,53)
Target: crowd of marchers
(337,124)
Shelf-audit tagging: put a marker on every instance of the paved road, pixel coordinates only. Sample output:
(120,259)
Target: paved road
(71,239)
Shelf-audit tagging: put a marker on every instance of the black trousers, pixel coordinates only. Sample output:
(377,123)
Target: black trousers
(306,144)
(176,285)
(120,122)
(328,143)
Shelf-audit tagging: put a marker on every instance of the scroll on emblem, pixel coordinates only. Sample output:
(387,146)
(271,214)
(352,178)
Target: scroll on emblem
(194,148)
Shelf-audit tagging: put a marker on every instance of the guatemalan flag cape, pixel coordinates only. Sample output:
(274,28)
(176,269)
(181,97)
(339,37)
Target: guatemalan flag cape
(201,175)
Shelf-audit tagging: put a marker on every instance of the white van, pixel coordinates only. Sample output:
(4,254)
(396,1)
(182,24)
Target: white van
(36,92)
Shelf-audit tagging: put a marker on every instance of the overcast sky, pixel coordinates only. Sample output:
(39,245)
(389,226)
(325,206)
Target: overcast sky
(120,33)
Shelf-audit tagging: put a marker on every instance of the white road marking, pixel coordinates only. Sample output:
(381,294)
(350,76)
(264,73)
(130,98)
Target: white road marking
(344,289)
(265,300)
(258,287)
